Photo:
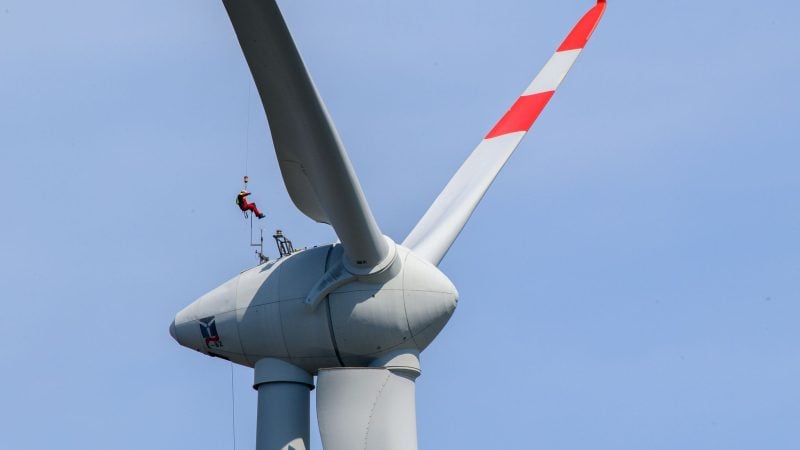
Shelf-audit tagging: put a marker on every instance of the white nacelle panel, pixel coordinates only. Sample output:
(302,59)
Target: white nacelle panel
(307,333)
(308,336)
(258,314)
(274,322)
(368,321)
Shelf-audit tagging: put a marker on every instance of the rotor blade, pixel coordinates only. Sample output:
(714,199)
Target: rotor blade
(366,408)
(315,167)
(433,235)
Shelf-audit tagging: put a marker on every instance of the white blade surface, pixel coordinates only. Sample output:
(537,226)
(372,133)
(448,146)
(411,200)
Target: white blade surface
(366,409)
(432,237)
(316,169)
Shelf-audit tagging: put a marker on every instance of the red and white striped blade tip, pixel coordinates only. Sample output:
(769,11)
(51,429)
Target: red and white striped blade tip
(528,107)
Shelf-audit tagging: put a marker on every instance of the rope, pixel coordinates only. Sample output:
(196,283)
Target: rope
(233,410)
(247,134)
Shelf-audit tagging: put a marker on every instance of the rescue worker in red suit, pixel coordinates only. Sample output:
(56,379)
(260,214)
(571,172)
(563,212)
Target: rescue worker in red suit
(245,206)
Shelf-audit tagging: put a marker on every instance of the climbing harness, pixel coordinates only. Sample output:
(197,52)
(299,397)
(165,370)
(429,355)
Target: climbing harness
(239,197)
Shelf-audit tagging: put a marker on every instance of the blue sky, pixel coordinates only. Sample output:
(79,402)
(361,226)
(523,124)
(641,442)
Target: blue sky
(629,282)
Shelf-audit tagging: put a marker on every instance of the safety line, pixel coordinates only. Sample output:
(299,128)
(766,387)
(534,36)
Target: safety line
(247,132)
(233,409)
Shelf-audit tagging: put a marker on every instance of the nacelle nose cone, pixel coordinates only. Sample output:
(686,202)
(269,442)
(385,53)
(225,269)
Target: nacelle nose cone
(208,325)
(172,331)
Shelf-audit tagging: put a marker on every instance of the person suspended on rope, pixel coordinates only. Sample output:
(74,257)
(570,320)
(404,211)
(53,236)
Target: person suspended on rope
(245,206)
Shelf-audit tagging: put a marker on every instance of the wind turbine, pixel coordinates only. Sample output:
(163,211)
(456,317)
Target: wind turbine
(357,313)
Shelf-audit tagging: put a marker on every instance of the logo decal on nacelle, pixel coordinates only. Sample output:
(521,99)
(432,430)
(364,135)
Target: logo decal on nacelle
(208,327)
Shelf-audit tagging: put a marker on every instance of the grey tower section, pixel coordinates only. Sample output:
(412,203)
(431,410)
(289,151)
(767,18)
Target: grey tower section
(283,405)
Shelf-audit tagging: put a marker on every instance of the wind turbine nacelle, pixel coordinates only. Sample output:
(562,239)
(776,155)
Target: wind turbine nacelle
(264,312)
